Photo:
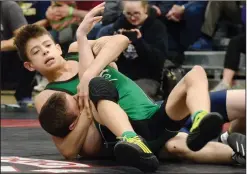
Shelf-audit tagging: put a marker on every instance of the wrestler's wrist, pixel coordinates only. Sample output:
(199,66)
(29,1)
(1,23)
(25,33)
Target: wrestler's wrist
(88,75)
(80,36)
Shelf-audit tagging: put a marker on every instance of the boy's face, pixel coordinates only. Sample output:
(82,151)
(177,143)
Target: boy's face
(44,55)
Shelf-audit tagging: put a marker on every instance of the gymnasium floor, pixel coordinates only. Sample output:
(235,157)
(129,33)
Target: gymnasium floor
(26,148)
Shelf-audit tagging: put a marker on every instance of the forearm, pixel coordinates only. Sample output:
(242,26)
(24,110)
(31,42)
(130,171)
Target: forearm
(73,142)
(8,45)
(86,56)
(79,13)
(109,53)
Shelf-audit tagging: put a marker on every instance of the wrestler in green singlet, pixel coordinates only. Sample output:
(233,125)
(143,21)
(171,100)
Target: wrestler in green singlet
(132,99)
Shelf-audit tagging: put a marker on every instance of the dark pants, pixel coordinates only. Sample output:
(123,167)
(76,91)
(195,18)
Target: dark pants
(236,46)
(12,70)
(184,33)
(217,9)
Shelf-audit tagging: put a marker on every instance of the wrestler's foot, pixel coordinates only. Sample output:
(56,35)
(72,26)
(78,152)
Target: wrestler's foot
(238,143)
(134,152)
(205,127)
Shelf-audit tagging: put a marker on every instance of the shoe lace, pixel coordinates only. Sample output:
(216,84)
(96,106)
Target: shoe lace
(130,140)
(197,120)
(136,140)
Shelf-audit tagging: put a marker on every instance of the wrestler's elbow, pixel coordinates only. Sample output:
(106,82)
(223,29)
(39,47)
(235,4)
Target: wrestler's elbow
(121,39)
(69,154)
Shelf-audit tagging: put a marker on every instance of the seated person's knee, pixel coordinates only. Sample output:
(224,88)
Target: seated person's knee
(102,89)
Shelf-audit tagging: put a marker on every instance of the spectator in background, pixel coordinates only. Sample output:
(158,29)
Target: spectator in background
(236,46)
(59,22)
(74,12)
(63,18)
(12,20)
(113,9)
(183,20)
(147,51)
(229,10)
(34,11)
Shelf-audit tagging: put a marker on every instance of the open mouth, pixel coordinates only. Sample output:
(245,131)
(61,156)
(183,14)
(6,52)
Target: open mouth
(48,60)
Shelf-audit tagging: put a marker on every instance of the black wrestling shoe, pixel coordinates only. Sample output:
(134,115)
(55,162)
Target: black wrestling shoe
(205,128)
(134,152)
(237,142)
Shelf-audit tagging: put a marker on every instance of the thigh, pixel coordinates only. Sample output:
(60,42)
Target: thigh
(175,106)
(235,104)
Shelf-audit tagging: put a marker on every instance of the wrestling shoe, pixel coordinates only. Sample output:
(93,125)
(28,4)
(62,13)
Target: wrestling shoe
(237,142)
(205,127)
(134,152)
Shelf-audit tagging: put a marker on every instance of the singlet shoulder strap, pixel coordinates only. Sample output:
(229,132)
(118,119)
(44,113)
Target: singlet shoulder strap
(68,86)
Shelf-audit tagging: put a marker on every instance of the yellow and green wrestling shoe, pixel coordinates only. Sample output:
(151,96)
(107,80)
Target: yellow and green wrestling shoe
(205,127)
(134,152)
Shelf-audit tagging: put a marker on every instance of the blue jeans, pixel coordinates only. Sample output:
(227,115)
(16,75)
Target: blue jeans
(92,35)
(106,31)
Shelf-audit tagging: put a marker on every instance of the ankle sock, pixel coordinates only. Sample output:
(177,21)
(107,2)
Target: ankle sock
(129,134)
(223,137)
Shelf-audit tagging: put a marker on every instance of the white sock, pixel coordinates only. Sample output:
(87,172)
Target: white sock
(224,137)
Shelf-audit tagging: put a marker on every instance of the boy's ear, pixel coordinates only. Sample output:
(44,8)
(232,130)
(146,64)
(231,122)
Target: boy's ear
(72,126)
(59,49)
(29,66)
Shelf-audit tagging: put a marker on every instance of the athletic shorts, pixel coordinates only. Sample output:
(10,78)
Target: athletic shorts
(218,104)
(153,130)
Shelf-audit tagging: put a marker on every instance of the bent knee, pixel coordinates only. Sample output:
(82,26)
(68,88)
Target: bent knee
(102,89)
(198,69)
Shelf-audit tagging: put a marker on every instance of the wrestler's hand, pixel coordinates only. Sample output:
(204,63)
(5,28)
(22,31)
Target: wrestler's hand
(83,93)
(90,20)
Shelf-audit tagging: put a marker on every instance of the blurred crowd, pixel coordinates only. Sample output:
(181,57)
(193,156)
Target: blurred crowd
(159,31)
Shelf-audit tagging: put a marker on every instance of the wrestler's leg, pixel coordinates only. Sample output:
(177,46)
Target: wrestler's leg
(236,110)
(131,149)
(231,105)
(190,96)
(235,104)
(212,152)
(238,125)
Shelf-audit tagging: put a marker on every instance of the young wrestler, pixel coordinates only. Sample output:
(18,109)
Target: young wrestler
(231,105)
(42,54)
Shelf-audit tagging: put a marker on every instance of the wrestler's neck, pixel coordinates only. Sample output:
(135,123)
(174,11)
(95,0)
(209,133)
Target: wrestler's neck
(65,71)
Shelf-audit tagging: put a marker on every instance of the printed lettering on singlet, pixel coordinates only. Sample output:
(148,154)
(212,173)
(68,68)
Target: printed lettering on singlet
(106,75)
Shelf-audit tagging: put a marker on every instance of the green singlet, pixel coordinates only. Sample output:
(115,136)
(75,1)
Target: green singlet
(132,99)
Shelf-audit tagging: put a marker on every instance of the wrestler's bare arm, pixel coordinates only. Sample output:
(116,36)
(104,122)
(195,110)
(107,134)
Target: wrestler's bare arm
(83,138)
(103,51)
